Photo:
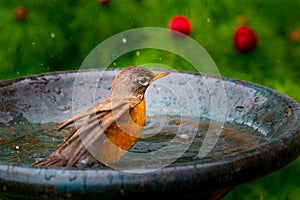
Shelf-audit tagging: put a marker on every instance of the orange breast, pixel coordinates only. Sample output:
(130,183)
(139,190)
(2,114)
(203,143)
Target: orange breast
(123,134)
(126,131)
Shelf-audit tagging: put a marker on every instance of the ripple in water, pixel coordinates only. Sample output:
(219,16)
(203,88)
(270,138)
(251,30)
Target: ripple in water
(26,144)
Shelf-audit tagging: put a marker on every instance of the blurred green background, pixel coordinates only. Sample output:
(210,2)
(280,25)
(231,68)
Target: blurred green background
(57,35)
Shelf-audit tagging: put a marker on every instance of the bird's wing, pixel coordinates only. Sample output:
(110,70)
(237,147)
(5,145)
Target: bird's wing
(87,135)
(91,132)
(104,105)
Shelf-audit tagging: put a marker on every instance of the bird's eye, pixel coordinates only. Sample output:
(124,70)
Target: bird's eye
(143,80)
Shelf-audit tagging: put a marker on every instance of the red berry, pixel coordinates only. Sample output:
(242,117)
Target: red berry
(180,24)
(294,35)
(20,14)
(245,39)
(103,2)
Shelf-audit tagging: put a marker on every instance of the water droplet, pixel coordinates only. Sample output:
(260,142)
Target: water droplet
(48,177)
(168,103)
(208,20)
(114,63)
(171,81)
(57,91)
(124,40)
(218,83)
(184,136)
(33,43)
(239,108)
(137,53)
(52,35)
(18,73)
(182,81)
(288,111)
(81,82)
(72,178)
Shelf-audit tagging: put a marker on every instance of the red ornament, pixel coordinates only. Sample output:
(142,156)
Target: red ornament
(294,35)
(103,2)
(20,14)
(180,24)
(245,39)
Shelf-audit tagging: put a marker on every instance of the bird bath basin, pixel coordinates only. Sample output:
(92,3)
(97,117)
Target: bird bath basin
(260,134)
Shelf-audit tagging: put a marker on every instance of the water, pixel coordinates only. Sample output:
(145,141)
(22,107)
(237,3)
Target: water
(233,139)
(26,143)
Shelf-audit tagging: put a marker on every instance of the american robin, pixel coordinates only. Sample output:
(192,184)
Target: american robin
(109,129)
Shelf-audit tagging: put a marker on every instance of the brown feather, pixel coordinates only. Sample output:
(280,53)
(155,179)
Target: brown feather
(86,135)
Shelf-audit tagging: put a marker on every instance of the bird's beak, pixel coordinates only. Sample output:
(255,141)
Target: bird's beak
(159,75)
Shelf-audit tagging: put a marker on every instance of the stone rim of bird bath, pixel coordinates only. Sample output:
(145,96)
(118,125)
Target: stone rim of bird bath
(212,178)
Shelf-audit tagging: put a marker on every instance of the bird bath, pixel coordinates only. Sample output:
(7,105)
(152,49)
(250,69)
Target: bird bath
(260,134)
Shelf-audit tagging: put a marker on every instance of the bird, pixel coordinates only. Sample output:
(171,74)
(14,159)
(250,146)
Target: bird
(105,132)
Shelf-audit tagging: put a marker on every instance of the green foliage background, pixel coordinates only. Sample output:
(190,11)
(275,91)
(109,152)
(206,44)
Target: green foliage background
(57,35)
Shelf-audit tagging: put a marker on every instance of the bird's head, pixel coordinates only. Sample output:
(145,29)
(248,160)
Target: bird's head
(133,81)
